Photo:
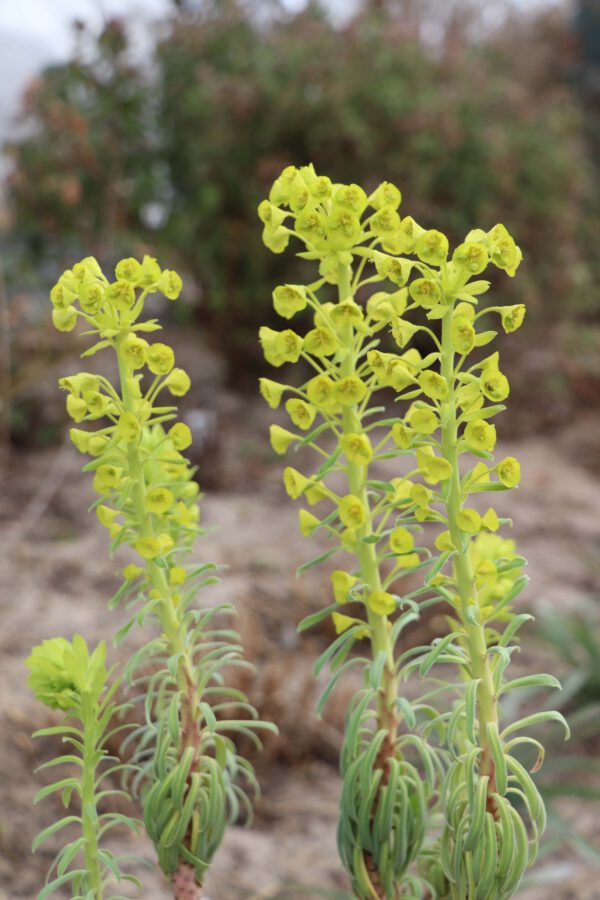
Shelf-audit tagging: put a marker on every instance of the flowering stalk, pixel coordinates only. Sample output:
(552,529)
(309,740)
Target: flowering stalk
(188,768)
(386,793)
(65,676)
(426,805)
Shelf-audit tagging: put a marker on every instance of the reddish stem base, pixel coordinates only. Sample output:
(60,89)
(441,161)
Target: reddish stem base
(185,886)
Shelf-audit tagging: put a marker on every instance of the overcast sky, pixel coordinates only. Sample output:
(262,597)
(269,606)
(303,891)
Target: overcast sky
(36,32)
(47,22)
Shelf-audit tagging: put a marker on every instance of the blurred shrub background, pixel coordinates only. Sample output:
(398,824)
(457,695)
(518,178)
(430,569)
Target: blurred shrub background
(480,112)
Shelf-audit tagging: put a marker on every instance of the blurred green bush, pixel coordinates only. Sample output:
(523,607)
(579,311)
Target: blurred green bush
(474,125)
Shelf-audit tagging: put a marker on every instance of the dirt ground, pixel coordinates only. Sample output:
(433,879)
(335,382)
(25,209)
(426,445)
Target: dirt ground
(56,578)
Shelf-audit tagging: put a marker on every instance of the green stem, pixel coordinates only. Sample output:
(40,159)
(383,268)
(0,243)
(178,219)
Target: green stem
(166,611)
(89,813)
(380,626)
(480,667)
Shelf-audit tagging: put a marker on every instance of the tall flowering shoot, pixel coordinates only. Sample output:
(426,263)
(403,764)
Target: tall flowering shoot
(188,769)
(435,802)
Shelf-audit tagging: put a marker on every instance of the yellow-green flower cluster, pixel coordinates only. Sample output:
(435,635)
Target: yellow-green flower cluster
(359,239)
(153,505)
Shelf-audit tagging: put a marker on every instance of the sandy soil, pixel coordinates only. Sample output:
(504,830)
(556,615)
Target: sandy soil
(55,579)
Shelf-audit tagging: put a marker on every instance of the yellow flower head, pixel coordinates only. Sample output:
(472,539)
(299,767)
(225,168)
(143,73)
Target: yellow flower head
(433,468)
(97,444)
(342,582)
(351,511)
(509,471)
(128,427)
(178,382)
(512,317)
(151,272)
(395,270)
(321,391)
(288,345)
(121,295)
(403,331)
(158,500)
(401,540)
(281,439)
(76,408)
(170,284)
(160,358)
(107,478)
(381,603)
(97,404)
(342,623)
(320,342)
(357,448)
(432,247)
(271,391)
(480,435)
(350,390)
(80,439)
(402,436)
(443,542)
(433,385)
(128,270)
(347,313)
(106,515)
(463,335)
(503,251)
(295,482)
(148,547)
(180,435)
(426,292)
(289,299)
(134,350)
(387,194)
(177,575)
(307,522)
(343,229)
(420,495)
(386,222)
(471,257)
(422,419)
(494,385)
(350,196)
(469,520)
(64,319)
(301,413)
(489,520)
(91,297)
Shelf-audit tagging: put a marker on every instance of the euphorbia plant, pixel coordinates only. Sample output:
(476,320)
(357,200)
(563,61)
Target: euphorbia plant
(188,770)
(65,676)
(435,803)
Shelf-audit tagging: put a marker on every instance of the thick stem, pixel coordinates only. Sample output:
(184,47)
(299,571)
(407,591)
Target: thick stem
(367,554)
(89,813)
(476,641)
